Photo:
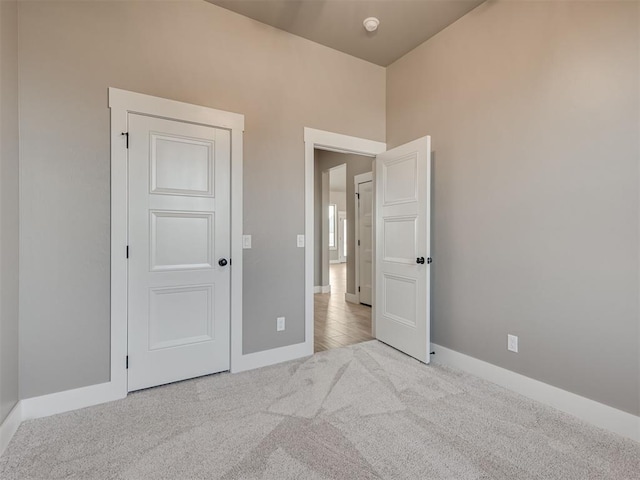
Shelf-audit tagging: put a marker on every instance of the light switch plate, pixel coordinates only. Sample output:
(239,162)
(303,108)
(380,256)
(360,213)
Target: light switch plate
(246,241)
(512,343)
(300,240)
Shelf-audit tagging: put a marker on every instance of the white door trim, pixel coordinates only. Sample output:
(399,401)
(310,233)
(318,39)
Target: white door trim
(122,103)
(357,180)
(334,142)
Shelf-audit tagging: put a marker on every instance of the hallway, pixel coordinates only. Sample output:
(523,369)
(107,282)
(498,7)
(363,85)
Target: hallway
(337,322)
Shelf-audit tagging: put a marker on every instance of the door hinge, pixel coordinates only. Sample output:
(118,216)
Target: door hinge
(127,251)
(358,195)
(358,242)
(127,362)
(358,289)
(126,134)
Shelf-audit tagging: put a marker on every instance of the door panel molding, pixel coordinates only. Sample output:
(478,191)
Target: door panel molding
(160,176)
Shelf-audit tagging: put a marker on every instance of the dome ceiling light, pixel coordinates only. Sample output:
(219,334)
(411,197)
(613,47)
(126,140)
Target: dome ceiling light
(371,24)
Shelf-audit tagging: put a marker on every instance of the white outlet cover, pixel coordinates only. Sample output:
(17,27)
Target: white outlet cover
(300,241)
(512,343)
(246,241)
(280,324)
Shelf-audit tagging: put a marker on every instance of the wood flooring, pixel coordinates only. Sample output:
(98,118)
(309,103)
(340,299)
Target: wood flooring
(337,322)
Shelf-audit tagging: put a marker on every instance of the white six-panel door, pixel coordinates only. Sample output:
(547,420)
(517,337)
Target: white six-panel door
(179,221)
(365,247)
(402,297)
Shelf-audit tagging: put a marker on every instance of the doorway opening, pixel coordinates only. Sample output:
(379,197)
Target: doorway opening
(401,300)
(340,317)
(316,140)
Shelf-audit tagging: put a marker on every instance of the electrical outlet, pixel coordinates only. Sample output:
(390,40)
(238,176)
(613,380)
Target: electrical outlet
(300,241)
(279,324)
(246,241)
(512,343)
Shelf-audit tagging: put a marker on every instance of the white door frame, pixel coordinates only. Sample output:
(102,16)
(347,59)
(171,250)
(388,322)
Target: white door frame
(122,103)
(333,142)
(358,179)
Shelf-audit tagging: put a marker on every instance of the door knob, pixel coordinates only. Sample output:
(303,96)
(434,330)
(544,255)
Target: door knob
(222,262)
(420,260)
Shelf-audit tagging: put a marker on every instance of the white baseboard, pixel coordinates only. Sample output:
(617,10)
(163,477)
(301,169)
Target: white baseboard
(352,297)
(52,404)
(271,357)
(322,289)
(9,426)
(590,411)
(68,400)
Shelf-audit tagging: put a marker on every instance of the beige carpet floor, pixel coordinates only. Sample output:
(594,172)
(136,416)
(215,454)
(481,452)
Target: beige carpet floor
(359,412)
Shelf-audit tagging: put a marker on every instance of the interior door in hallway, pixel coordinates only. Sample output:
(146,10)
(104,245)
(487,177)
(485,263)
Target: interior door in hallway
(365,240)
(403,248)
(179,244)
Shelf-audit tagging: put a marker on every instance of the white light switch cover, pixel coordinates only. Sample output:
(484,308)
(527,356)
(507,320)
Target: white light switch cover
(246,241)
(300,240)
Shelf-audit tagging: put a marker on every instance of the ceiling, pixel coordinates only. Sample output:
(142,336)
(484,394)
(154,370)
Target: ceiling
(404,24)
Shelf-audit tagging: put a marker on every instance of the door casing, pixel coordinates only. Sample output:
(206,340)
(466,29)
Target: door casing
(121,103)
(334,142)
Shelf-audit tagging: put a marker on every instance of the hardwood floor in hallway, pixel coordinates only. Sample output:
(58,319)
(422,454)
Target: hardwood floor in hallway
(337,322)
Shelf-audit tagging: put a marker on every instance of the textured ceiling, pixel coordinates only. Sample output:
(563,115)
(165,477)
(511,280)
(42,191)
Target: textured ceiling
(404,24)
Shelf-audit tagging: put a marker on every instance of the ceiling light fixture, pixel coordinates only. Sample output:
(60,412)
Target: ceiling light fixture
(371,24)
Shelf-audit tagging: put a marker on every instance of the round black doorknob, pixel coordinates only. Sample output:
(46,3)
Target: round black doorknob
(222,262)
(420,260)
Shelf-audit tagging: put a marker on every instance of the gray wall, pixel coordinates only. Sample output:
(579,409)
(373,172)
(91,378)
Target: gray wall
(533,109)
(70,53)
(356,164)
(9,228)
(340,199)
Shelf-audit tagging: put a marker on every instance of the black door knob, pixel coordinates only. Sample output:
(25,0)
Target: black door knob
(222,262)
(420,260)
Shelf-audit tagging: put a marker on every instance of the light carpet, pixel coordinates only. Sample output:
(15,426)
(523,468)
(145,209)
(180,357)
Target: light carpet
(360,412)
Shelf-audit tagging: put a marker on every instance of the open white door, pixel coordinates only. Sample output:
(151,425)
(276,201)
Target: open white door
(403,248)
